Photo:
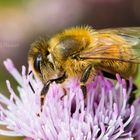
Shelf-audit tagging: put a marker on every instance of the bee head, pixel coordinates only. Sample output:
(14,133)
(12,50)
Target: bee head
(42,61)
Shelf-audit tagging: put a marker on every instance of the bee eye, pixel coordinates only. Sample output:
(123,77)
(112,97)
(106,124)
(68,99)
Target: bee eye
(37,63)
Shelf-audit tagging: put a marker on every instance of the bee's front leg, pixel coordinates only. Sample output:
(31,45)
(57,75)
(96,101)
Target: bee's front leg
(84,78)
(47,85)
(44,92)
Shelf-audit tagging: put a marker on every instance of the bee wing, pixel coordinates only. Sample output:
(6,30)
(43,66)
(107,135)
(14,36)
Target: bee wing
(120,44)
(128,31)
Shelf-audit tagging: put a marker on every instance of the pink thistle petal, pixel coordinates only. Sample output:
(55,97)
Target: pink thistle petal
(104,115)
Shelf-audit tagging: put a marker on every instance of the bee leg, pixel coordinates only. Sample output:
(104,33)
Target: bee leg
(44,92)
(31,87)
(84,78)
(60,79)
(133,93)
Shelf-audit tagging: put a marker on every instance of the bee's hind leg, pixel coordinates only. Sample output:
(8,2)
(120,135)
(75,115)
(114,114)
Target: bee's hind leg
(133,92)
(84,78)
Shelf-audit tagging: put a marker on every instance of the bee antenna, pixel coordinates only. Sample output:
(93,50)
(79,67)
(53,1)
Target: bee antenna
(30,72)
(31,87)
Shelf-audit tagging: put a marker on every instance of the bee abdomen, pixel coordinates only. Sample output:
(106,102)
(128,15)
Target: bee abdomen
(123,68)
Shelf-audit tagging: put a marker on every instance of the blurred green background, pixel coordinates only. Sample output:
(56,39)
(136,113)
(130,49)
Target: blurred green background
(22,21)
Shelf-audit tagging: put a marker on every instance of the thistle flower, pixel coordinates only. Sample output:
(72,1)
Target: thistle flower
(105,114)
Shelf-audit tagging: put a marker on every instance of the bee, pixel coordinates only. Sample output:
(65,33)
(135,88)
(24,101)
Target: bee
(82,52)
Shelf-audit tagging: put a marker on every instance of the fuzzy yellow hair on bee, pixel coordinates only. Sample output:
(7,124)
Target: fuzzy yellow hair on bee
(83,52)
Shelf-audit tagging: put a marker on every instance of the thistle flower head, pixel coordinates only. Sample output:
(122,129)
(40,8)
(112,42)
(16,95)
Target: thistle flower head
(105,114)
